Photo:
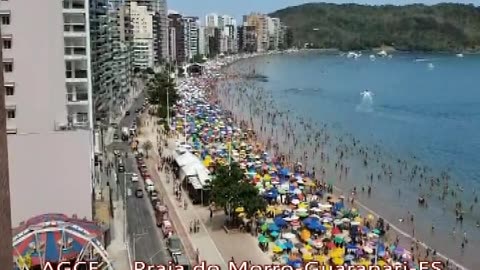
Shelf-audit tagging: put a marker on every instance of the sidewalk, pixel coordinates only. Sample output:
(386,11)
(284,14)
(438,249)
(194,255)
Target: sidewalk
(214,244)
(117,250)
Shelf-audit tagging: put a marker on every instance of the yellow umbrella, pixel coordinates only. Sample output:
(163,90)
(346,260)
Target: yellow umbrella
(310,184)
(358,219)
(337,261)
(307,257)
(267,177)
(305,235)
(277,249)
(370,216)
(241,214)
(320,258)
(380,263)
(240,209)
(303,205)
(337,252)
(364,262)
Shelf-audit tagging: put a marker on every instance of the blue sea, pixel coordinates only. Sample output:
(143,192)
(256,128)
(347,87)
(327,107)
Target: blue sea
(424,108)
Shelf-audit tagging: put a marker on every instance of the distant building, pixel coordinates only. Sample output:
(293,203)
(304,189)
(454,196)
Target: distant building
(176,22)
(143,39)
(191,25)
(247,36)
(260,22)
(211,20)
(202,41)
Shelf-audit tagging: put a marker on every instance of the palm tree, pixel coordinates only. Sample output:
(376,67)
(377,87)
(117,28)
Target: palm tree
(147,146)
(6,259)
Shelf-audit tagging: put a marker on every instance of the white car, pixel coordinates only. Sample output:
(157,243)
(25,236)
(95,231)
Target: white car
(134,177)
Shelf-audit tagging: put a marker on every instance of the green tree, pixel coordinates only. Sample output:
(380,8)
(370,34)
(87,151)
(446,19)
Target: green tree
(229,190)
(147,146)
(157,89)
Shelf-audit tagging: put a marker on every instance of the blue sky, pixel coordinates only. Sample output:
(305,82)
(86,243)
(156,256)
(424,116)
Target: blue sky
(237,8)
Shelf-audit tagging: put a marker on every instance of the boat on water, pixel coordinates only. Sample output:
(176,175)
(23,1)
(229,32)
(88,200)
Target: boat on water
(431,66)
(372,57)
(418,59)
(459,55)
(382,53)
(354,55)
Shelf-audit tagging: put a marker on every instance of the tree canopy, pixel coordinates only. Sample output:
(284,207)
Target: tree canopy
(157,88)
(230,189)
(442,27)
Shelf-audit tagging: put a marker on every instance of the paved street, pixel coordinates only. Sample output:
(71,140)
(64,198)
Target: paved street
(145,240)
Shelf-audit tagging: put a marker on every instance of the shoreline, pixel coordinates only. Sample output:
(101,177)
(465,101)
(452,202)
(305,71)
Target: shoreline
(400,231)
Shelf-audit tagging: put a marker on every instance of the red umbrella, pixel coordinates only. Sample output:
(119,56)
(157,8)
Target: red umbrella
(336,230)
(331,245)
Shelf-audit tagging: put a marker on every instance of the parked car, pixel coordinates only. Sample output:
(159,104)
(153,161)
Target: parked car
(134,177)
(174,245)
(115,136)
(139,193)
(127,113)
(167,228)
(121,168)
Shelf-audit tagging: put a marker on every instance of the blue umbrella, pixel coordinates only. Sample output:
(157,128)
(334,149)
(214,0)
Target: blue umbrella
(284,171)
(280,222)
(288,245)
(349,257)
(308,220)
(273,227)
(274,233)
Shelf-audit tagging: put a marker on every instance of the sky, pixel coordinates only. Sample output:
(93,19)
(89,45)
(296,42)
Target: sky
(237,8)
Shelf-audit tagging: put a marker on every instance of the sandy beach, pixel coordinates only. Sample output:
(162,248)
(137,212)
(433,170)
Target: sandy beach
(234,96)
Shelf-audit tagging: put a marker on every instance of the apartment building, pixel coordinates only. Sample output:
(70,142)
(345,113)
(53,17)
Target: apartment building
(202,41)
(49,97)
(143,39)
(177,26)
(247,36)
(191,25)
(260,22)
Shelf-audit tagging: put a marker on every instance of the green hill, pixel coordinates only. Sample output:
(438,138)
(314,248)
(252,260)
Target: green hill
(442,27)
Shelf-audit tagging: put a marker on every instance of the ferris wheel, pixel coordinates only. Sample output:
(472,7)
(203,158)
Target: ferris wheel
(55,238)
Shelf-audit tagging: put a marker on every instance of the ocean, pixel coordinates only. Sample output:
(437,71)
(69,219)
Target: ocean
(420,109)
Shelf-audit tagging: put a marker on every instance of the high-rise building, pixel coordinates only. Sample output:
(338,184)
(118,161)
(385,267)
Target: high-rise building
(191,25)
(142,23)
(211,20)
(176,22)
(247,36)
(273,33)
(160,27)
(260,22)
(49,106)
(202,41)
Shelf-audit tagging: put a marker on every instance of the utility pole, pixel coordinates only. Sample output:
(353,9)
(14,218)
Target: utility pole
(6,254)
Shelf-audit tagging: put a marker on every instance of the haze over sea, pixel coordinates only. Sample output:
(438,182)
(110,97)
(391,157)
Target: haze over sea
(425,109)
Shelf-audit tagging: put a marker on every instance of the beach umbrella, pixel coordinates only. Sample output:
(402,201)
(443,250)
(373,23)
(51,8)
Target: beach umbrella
(274,233)
(273,227)
(307,256)
(338,239)
(280,222)
(337,261)
(262,239)
(376,231)
(336,230)
(320,258)
(305,234)
(264,227)
(349,257)
(277,249)
(239,210)
(288,235)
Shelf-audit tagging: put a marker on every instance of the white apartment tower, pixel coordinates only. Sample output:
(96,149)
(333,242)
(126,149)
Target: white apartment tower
(191,25)
(143,38)
(211,20)
(47,74)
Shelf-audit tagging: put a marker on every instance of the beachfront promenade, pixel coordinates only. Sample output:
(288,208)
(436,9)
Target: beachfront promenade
(213,244)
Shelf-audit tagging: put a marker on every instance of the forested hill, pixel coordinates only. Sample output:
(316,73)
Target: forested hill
(442,27)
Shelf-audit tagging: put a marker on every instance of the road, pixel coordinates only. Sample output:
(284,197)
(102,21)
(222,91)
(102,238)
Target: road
(145,239)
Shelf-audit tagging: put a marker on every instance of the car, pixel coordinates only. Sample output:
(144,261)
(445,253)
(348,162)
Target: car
(114,125)
(127,113)
(115,136)
(138,110)
(116,152)
(139,193)
(174,245)
(121,168)
(134,177)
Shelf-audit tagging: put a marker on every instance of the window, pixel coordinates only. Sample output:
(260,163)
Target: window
(10,113)
(7,43)
(9,90)
(8,66)
(5,19)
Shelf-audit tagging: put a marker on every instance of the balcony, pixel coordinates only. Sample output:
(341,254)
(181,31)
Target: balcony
(75,53)
(73,6)
(74,30)
(76,75)
(79,98)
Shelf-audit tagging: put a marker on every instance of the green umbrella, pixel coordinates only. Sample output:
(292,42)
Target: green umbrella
(338,239)
(264,227)
(376,231)
(262,239)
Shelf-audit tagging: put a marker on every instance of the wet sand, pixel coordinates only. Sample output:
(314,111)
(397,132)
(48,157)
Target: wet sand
(288,134)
